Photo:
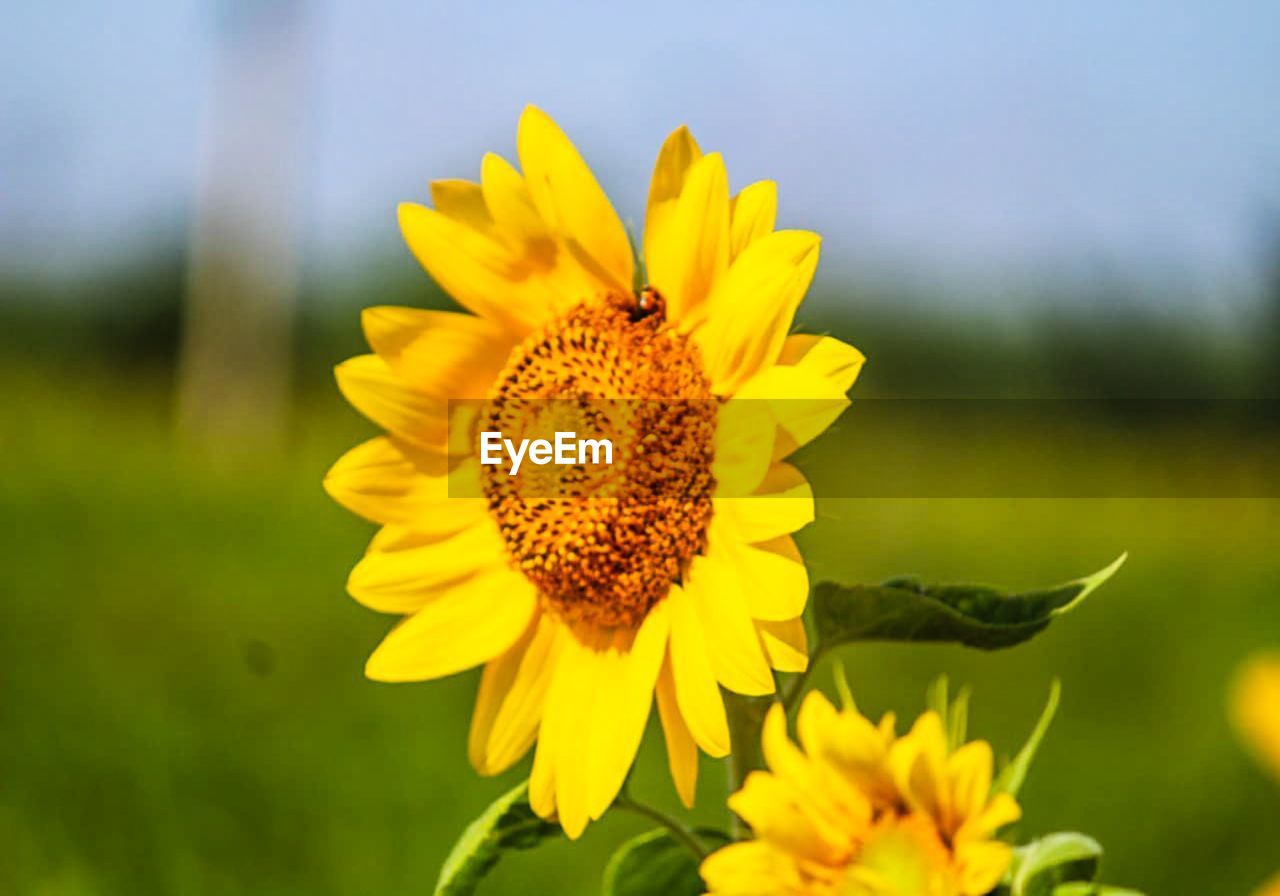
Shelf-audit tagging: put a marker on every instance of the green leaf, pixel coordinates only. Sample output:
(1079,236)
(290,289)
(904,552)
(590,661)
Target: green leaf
(1086,889)
(1064,864)
(657,864)
(1039,867)
(958,719)
(936,699)
(974,615)
(1012,775)
(509,823)
(953,713)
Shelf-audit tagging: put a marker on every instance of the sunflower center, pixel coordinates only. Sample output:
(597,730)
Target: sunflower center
(604,543)
(902,856)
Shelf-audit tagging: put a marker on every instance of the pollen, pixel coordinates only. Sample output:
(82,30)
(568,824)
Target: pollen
(604,544)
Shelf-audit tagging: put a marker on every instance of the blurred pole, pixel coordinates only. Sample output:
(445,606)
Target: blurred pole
(236,353)
(1270,337)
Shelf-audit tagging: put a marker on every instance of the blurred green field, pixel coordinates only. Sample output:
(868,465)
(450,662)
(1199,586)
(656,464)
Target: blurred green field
(182,709)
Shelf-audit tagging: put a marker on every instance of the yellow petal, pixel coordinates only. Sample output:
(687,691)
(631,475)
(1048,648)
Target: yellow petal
(782,815)
(752,868)
(697,692)
(570,705)
(512,691)
(518,222)
(782,504)
(826,356)
(732,643)
(682,752)
(781,755)
(804,403)
(751,308)
(1271,887)
(628,674)
(375,391)
(570,200)
(478,271)
(982,865)
(835,809)
(694,251)
(405,580)
(777,583)
(786,644)
(542,778)
(850,743)
(745,440)
(386,482)
(401,538)
(508,199)
(1255,709)
(448,355)
(754,211)
(679,151)
(815,722)
(462,201)
(475,621)
(918,765)
(495,682)
(389,328)
(969,769)
(1003,809)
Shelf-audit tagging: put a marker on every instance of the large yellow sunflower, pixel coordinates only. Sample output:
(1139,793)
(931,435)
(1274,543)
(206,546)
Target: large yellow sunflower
(581,611)
(862,812)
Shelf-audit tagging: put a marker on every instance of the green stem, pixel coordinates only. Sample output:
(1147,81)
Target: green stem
(795,688)
(679,831)
(746,720)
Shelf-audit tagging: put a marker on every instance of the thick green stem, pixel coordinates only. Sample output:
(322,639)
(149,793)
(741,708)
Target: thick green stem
(746,719)
(678,831)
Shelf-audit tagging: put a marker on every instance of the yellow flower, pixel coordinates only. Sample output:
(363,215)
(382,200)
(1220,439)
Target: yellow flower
(861,812)
(581,611)
(1255,709)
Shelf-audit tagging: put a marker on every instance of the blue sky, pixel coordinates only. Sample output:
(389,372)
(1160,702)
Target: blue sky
(956,142)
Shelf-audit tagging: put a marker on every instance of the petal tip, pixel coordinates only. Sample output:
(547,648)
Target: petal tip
(406,210)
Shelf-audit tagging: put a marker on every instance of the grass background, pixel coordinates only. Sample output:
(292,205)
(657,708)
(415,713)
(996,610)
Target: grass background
(182,708)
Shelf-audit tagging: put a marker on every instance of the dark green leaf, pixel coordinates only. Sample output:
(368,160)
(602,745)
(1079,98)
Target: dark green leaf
(657,864)
(974,615)
(509,823)
(1012,775)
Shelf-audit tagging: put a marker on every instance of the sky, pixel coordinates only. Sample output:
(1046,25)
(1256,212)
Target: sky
(949,142)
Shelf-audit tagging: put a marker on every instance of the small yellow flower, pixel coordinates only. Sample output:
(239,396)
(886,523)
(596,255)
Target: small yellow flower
(861,812)
(581,611)
(1255,709)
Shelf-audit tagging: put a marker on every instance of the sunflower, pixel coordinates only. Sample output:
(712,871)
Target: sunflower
(581,611)
(861,812)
